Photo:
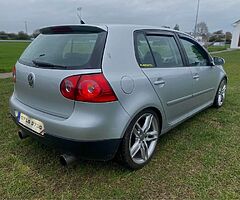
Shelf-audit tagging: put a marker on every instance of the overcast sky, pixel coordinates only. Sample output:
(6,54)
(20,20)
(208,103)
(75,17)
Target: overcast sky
(218,14)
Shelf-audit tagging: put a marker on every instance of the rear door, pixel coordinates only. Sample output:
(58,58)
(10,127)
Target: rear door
(58,52)
(159,57)
(204,75)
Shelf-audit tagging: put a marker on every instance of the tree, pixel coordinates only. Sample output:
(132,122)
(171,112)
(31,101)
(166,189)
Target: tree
(176,27)
(22,36)
(12,36)
(228,37)
(217,36)
(202,29)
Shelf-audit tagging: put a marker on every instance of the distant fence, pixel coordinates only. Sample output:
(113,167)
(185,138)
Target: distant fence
(15,40)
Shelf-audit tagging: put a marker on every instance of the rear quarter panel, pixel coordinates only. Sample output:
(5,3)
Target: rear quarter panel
(122,71)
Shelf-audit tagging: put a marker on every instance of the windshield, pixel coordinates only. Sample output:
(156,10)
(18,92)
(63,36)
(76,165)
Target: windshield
(67,51)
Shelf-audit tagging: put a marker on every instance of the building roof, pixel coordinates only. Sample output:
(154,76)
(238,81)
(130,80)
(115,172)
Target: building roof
(236,22)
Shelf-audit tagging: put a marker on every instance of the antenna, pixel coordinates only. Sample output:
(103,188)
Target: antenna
(79,14)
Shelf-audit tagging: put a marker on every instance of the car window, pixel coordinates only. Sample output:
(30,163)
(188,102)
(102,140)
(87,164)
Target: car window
(80,47)
(143,52)
(165,51)
(195,53)
(73,51)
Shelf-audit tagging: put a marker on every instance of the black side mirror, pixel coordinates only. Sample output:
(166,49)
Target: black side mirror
(218,61)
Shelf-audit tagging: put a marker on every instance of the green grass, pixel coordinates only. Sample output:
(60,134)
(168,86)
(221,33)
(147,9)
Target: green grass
(198,159)
(218,48)
(9,54)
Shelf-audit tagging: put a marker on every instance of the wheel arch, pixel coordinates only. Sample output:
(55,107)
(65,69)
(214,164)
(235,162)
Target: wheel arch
(153,108)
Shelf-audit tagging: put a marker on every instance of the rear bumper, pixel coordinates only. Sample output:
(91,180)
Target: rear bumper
(91,150)
(93,131)
(88,122)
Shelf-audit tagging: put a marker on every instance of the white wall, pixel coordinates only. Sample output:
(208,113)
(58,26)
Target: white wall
(235,37)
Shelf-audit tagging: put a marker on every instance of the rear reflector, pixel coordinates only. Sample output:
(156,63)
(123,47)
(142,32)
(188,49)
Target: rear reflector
(88,88)
(14,74)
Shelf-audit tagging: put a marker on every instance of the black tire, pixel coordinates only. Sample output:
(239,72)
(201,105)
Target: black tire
(124,149)
(220,97)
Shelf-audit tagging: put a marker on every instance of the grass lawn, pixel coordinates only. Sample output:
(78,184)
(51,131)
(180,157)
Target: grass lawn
(198,159)
(9,54)
(218,48)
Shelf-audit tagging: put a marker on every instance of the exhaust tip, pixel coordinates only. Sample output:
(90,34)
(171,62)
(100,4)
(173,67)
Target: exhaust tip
(67,159)
(22,135)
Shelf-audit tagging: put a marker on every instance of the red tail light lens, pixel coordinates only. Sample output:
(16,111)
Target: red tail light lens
(88,88)
(14,74)
(68,87)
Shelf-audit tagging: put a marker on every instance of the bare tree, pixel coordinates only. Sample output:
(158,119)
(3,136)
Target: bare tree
(202,29)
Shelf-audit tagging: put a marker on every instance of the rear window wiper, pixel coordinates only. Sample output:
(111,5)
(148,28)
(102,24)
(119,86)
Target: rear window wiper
(48,65)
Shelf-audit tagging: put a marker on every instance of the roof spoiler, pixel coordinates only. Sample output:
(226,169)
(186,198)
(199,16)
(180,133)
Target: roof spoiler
(61,29)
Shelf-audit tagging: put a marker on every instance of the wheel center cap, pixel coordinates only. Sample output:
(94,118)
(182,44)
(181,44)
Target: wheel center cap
(142,137)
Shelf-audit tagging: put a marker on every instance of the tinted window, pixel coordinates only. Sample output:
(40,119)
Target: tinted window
(143,52)
(73,51)
(195,53)
(165,51)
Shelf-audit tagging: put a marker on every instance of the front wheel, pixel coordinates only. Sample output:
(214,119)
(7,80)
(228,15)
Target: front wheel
(221,94)
(140,140)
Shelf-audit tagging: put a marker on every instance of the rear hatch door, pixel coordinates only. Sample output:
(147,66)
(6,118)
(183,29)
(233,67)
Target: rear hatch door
(58,52)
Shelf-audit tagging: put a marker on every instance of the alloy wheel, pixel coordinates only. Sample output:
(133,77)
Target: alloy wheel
(143,138)
(222,93)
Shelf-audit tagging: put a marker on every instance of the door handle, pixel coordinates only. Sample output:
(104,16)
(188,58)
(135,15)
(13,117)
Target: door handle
(159,82)
(196,76)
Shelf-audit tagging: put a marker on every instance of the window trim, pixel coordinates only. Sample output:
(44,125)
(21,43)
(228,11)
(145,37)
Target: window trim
(137,56)
(187,38)
(156,32)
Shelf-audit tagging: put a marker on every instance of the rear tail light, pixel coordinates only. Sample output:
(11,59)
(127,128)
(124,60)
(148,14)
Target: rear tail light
(14,74)
(88,88)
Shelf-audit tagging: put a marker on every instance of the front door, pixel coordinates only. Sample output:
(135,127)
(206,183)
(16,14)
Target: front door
(204,75)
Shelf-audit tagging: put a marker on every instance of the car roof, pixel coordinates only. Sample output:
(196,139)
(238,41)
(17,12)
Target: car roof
(109,27)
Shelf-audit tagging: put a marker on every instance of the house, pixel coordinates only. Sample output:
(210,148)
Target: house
(236,35)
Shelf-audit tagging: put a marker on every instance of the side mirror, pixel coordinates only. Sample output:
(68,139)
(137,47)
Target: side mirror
(218,61)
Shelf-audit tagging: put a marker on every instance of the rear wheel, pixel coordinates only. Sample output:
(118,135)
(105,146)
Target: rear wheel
(140,140)
(221,94)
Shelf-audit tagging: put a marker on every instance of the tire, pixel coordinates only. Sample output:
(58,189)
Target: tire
(140,140)
(221,94)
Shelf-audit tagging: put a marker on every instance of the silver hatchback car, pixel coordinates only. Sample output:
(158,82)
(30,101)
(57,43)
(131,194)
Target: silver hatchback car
(100,91)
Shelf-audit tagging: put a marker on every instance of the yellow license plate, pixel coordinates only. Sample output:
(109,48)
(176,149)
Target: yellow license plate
(31,123)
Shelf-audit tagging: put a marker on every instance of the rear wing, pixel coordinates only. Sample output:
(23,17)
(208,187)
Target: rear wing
(61,29)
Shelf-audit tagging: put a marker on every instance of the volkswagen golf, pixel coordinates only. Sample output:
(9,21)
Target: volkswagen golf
(97,92)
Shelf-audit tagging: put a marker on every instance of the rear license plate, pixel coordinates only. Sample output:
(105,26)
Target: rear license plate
(31,123)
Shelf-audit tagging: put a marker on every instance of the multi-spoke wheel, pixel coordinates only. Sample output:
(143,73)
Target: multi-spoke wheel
(140,140)
(221,94)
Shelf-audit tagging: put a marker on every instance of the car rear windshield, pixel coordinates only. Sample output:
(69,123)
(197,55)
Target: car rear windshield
(65,51)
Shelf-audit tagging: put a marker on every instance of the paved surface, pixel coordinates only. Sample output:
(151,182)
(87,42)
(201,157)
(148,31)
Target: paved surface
(5,75)
(15,40)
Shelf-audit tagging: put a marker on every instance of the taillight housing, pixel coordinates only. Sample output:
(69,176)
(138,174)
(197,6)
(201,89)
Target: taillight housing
(87,88)
(14,74)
